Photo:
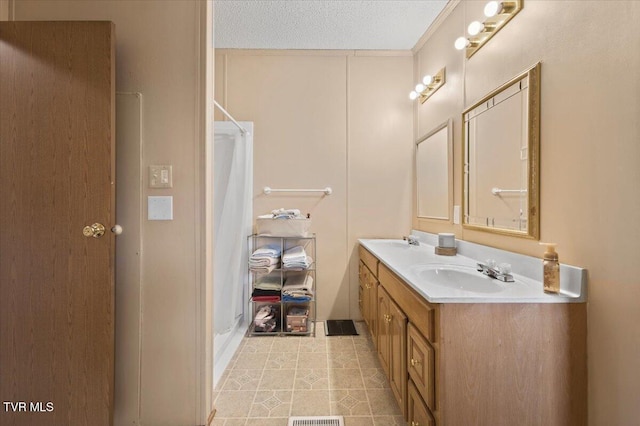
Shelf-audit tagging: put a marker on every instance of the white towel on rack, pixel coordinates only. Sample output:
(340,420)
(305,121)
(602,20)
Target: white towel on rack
(299,264)
(269,250)
(264,261)
(263,269)
(285,213)
(269,282)
(294,254)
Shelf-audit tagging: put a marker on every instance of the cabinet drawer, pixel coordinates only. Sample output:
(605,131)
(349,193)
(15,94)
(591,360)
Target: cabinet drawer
(420,312)
(368,259)
(421,365)
(418,412)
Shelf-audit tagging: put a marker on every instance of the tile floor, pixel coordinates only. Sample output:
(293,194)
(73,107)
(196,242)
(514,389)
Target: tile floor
(272,378)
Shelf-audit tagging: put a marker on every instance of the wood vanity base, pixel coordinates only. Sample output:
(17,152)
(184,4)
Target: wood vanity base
(513,364)
(493,364)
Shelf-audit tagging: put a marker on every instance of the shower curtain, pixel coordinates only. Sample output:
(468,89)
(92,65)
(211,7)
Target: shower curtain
(232,222)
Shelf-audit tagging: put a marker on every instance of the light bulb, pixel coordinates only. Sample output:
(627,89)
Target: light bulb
(461,43)
(427,80)
(419,87)
(475,27)
(492,8)
(413,95)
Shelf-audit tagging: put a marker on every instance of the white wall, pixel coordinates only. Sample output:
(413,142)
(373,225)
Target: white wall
(161,52)
(328,118)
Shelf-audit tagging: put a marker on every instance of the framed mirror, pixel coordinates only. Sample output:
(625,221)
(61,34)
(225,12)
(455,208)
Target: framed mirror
(434,173)
(501,159)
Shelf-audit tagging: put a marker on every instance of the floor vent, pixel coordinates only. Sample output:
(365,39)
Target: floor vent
(316,421)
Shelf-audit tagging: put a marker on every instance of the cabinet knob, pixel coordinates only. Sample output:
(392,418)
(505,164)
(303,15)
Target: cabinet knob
(415,362)
(415,424)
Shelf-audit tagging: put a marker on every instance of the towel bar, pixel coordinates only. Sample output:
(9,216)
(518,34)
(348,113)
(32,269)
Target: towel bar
(498,191)
(327,190)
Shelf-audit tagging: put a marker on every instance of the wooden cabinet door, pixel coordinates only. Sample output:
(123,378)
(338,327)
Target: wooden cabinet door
(384,338)
(372,297)
(421,364)
(417,412)
(398,355)
(363,278)
(57,167)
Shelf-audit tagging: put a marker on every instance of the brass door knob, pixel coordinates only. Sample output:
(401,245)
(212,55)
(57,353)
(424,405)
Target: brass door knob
(96,230)
(415,362)
(415,424)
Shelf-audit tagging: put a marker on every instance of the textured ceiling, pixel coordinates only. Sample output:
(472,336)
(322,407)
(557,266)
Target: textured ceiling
(329,24)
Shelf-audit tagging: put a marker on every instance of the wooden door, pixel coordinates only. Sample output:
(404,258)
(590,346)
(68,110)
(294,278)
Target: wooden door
(57,109)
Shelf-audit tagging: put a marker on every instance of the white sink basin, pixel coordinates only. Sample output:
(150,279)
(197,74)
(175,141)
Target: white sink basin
(459,278)
(454,279)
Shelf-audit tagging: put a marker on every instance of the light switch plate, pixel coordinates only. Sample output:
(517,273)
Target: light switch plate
(456,215)
(160,208)
(160,176)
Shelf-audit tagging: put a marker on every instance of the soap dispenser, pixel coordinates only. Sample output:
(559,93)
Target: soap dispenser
(551,269)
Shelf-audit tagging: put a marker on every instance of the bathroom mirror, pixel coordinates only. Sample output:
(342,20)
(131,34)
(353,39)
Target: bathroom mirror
(434,173)
(501,158)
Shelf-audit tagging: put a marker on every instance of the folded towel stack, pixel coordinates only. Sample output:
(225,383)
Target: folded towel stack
(265,259)
(298,288)
(285,214)
(296,258)
(269,282)
(259,295)
(267,289)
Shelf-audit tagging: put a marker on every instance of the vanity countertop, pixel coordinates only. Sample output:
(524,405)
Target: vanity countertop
(435,277)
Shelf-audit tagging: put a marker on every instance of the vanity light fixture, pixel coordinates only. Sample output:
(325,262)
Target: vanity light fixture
(428,86)
(498,13)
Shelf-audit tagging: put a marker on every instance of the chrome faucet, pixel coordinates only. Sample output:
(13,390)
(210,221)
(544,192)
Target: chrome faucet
(501,272)
(412,240)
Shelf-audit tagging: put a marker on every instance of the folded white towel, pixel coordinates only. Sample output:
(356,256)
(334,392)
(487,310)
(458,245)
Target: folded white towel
(264,261)
(269,250)
(299,264)
(297,293)
(294,254)
(269,282)
(285,213)
(268,286)
(263,269)
(296,258)
(281,210)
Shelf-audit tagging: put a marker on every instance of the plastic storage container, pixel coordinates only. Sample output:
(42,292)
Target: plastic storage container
(283,227)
